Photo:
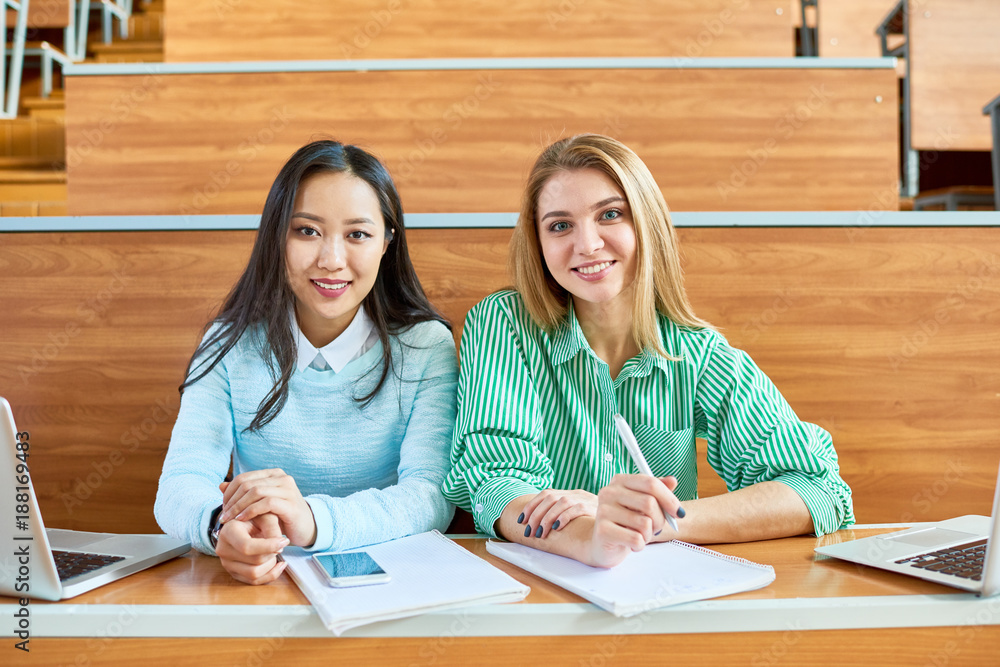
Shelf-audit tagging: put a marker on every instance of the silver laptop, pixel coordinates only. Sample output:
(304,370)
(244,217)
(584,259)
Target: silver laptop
(58,564)
(961,552)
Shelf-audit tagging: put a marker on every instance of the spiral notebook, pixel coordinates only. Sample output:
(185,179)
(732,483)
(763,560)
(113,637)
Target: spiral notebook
(658,576)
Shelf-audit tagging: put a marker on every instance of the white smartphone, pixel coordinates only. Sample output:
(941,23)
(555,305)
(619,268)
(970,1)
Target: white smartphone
(343,570)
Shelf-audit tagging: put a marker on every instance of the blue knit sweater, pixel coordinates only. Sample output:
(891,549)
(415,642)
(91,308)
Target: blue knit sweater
(369,474)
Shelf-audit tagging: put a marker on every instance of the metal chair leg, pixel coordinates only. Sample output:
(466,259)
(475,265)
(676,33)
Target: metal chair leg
(46,73)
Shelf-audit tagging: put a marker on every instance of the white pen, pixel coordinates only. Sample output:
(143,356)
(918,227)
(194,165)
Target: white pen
(632,445)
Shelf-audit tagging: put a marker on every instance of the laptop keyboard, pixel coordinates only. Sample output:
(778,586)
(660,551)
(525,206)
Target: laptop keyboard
(963,560)
(74,563)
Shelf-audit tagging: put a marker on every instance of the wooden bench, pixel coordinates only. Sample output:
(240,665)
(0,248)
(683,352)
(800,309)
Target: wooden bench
(157,140)
(885,336)
(235,30)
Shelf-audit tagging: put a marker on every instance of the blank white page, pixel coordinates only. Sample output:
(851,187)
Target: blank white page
(427,571)
(659,575)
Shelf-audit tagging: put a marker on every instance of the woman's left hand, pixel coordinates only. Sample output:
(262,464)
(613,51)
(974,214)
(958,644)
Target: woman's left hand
(553,509)
(270,491)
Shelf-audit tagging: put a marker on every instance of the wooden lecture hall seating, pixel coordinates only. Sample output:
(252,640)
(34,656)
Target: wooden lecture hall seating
(883,336)
(954,72)
(847,28)
(46,14)
(783,175)
(954,64)
(235,30)
(463,140)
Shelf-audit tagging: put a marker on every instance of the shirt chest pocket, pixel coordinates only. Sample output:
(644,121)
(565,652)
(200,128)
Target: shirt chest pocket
(671,453)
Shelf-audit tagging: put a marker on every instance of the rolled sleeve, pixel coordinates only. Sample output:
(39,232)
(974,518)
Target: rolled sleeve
(496,454)
(198,458)
(324,525)
(823,501)
(493,496)
(754,436)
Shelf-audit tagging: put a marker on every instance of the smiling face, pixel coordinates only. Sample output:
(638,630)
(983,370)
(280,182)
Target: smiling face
(587,237)
(333,248)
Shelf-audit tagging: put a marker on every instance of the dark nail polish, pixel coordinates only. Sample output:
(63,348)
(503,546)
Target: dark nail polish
(538,532)
(555,526)
(680,512)
(657,533)
(527,531)
(520,518)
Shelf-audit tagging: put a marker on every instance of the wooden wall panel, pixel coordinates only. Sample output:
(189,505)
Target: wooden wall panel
(463,141)
(955,71)
(231,30)
(887,337)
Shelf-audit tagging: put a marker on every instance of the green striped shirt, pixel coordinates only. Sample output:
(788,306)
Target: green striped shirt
(535,412)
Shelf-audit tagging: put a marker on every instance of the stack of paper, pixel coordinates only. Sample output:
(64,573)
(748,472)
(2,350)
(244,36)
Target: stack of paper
(428,572)
(659,575)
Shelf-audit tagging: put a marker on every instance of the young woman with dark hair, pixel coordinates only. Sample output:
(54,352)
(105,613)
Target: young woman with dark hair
(327,381)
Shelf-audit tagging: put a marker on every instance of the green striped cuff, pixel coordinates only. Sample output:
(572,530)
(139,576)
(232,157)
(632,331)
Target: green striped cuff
(492,497)
(829,514)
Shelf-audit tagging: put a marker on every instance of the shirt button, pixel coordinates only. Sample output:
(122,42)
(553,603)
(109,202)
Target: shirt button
(608,457)
(479,507)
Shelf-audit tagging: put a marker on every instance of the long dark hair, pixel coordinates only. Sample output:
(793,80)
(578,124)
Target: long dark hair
(261,296)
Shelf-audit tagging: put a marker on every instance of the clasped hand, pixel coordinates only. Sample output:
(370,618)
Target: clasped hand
(263,511)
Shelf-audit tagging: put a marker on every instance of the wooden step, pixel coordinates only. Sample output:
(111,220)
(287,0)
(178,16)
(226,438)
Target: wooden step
(146,27)
(51,108)
(32,185)
(31,209)
(33,139)
(19,162)
(35,45)
(128,52)
(29,176)
(956,198)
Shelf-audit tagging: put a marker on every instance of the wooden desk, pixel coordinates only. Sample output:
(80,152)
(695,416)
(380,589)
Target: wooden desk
(817,609)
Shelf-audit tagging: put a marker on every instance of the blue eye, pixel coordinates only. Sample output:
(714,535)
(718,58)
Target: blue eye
(561,226)
(611,214)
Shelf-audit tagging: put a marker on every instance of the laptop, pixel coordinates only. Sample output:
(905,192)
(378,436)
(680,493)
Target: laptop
(53,564)
(963,553)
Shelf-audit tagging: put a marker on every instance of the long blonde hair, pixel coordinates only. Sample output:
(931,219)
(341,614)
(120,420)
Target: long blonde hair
(659,281)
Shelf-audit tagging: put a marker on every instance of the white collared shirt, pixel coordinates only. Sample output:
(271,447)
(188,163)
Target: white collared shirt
(359,337)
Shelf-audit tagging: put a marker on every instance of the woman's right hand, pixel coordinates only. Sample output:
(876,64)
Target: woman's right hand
(630,513)
(249,550)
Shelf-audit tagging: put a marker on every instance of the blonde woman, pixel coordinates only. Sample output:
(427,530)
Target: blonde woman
(600,324)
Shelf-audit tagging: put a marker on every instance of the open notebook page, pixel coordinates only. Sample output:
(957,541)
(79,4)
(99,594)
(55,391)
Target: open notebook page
(658,576)
(428,572)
